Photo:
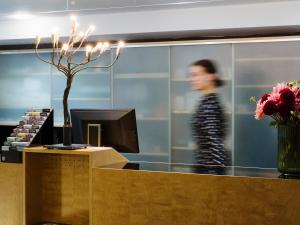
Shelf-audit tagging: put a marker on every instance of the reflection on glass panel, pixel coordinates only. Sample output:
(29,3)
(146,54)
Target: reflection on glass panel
(183,56)
(259,67)
(143,60)
(147,157)
(182,137)
(24,83)
(183,155)
(141,81)
(185,100)
(200,169)
(256,142)
(153,137)
(148,97)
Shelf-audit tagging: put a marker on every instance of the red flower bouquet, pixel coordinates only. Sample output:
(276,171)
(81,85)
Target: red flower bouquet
(282,104)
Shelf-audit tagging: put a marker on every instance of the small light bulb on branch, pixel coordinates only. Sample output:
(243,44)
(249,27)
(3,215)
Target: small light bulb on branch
(64,48)
(57,40)
(77,39)
(106,45)
(95,49)
(121,45)
(99,46)
(88,52)
(92,28)
(88,48)
(75,26)
(73,18)
(54,38)
(53,41)
(37,41)
(89,30)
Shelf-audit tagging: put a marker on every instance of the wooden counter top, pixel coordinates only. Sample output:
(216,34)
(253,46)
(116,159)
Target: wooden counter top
(85,151)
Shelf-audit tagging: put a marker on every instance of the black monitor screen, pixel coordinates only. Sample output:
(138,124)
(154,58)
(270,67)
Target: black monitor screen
(113,128)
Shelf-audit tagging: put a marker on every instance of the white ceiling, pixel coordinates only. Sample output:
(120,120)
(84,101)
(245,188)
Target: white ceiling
(86,6)
(280,18)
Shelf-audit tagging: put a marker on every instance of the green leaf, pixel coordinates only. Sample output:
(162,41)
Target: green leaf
(273,123)
(252,99)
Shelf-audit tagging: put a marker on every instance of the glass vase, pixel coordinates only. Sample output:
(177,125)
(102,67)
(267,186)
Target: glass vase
(288,159)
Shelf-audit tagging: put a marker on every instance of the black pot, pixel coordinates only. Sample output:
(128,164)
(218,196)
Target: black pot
(67,135)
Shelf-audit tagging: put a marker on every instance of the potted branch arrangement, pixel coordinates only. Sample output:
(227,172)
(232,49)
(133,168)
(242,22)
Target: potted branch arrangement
(283,105)
(61,58)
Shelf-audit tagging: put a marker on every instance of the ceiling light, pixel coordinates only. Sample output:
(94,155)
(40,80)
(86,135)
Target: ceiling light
(21,16)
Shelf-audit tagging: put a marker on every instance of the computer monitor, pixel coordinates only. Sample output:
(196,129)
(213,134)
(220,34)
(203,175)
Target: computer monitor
(114,128)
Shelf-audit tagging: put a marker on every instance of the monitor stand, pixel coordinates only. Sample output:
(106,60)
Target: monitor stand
(93,136)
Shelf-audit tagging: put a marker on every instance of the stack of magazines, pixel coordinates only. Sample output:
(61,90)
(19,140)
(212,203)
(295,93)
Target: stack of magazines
(26,130)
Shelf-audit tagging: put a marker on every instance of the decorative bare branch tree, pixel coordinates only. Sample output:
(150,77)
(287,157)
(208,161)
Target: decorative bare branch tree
(62,59)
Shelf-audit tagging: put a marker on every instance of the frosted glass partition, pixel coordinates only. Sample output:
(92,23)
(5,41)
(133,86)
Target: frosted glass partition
(154,80)
(258,67)
(24,83)
(90,88)
(143,60)
(141,81)
(184,99)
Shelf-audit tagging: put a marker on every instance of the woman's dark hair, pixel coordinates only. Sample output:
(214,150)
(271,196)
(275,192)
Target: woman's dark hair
(210,67)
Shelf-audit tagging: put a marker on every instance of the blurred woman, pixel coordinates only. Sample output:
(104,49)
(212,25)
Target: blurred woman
(208,121)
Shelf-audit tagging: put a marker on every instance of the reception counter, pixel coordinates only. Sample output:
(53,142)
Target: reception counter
(157,193)
(100,187)
(11,194)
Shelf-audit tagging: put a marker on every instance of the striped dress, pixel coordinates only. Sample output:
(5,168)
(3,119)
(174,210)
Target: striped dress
(208,129)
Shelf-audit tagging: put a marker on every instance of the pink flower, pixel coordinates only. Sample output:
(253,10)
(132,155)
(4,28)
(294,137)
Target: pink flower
(297,93)
(259,112)
(264,97)
(282,93)
(279,87)
(284,109)
(281,104)
(275,97)
(287,96)
(297,101)
(270,107)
